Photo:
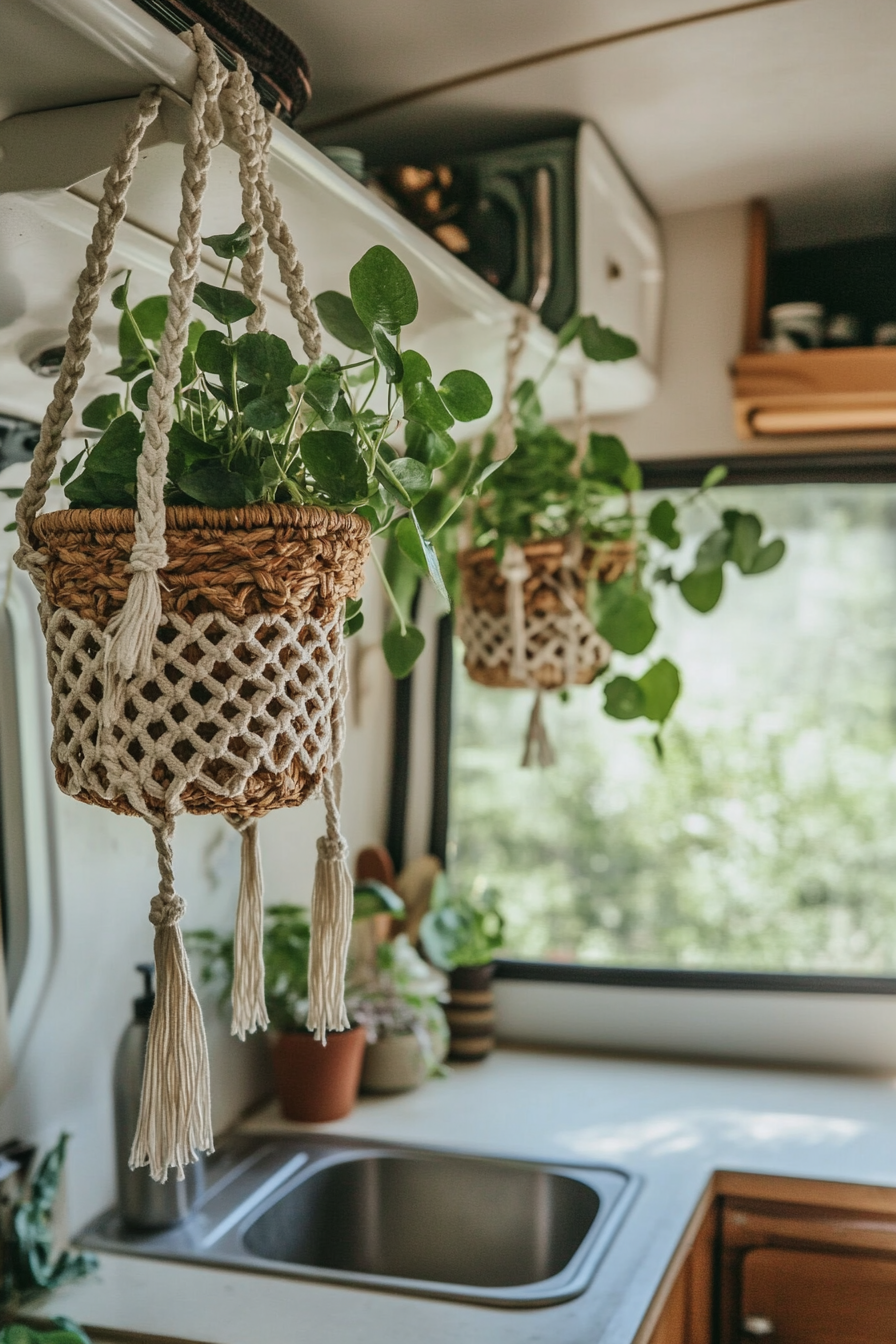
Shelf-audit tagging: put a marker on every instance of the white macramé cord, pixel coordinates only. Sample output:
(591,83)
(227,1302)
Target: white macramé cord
(247,997)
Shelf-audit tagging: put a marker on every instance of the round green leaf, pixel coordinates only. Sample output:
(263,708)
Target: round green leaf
(383,291)
(701,589)
(415,477)
(661,687)
(213,485)
(606,459)
(603,344)
(661,524)
(337,314)
(230,245)
(214,354)
(150,316)
(425,445)
(99,413)
(264,360)
(623,698)
(713,551)
(768,556)
(745,542)
(334,460)
(225,305)
(265,413)
(627,623)
(402,650)
(423,403)
(466,395)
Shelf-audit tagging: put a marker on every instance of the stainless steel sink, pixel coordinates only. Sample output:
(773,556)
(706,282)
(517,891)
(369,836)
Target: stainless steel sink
(407,1220)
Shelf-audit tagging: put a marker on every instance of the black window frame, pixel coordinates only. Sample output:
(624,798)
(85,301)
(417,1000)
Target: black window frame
(860,466)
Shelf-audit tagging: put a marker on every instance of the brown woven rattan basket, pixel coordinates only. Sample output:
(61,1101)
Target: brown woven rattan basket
(484,608)
(294,565)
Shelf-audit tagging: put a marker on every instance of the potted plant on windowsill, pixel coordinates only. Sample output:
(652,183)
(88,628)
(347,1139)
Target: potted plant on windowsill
(316,1080)
(461,933)
(399,1004)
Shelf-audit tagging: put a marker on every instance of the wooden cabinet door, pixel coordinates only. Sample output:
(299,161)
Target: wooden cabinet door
(817,1297)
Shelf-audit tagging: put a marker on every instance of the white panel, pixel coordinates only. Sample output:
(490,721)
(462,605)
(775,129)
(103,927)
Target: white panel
(852,1031)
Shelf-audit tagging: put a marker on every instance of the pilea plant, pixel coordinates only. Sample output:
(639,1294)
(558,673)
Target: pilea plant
(553,488)
(253,424)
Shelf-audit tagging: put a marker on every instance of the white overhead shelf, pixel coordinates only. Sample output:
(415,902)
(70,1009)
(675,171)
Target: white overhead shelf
(51,171)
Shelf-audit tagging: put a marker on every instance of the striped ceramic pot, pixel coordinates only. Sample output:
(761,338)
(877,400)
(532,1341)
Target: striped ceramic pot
(471,1012)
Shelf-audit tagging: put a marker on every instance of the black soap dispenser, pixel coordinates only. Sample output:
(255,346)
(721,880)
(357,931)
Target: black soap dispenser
(143,1202)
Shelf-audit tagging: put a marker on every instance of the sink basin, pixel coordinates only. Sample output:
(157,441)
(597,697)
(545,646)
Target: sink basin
(408,1220)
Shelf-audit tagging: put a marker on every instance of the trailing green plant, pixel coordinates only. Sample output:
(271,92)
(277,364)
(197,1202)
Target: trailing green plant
(462,928)
(550,487)
(29,1264)
(287,944)
(254,424)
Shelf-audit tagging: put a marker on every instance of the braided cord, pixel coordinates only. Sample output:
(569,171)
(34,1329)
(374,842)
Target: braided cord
(90,283)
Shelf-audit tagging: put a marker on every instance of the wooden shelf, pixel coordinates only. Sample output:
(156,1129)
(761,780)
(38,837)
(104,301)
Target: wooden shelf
(815,391)
(807,392)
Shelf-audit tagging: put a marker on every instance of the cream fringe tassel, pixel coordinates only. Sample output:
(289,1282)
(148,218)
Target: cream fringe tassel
(249,1009)
(175,1121)
(332,907)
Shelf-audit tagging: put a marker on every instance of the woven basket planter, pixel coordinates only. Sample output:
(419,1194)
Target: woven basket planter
(196,655)
(560,646)
(245,680)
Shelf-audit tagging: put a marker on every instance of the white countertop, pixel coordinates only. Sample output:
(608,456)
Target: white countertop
(672,1124)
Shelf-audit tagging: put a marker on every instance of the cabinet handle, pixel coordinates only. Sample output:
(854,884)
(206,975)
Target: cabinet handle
(757,1327)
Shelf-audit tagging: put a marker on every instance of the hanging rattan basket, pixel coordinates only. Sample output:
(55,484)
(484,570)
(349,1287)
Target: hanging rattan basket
(523,622)
(237,713)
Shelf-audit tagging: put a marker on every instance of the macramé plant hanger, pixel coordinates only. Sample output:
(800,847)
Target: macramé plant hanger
(196,655)
(556,570)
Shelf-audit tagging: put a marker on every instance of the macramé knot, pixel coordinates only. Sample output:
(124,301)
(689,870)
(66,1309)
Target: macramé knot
(166,910)
(515,566)
(332,848)
(147,557)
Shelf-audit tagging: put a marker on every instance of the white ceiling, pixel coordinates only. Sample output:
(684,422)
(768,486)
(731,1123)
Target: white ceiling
(772,102)
(796,101)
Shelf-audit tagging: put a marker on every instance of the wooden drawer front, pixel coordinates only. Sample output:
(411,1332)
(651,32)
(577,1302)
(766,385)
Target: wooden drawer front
(815,1297)
(754,1223)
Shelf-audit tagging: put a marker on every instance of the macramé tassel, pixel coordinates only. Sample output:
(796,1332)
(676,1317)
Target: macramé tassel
(332,907)
(249,1009)
(538,749)
(175,1121)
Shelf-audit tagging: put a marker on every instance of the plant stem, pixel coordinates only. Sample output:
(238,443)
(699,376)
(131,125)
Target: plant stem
(389,593)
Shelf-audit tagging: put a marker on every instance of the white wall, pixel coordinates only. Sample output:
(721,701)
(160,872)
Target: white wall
(691,415)
(105,877)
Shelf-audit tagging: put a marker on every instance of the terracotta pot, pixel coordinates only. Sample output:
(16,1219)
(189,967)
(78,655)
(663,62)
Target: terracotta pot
(394,1064)
(471,1012)
(317,1082)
